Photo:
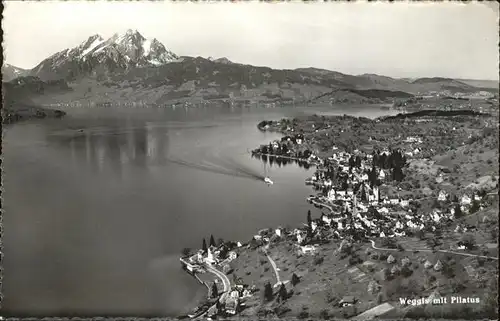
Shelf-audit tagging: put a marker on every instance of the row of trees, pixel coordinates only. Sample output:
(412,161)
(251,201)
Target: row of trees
(283,150)
(393,160)
(281,161)
(282,294)
(212,243)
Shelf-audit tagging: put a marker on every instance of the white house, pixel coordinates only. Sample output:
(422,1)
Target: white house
(326,219)
(442,196)
(381,174)
(331,195)
(347,301)
(278,232)
(232,255)
(405,203)
(410,224)
(314,226)
(466,200)
(210,257)
(231,306)
(382,234)
(394,201)
(384,210)
(308,249)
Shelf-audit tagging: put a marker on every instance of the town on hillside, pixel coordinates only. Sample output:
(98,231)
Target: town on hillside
(399,217)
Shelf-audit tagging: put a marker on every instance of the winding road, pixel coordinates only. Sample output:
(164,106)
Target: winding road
(226,284)
(225,280)
(427,250)
(275,268)
(322,205)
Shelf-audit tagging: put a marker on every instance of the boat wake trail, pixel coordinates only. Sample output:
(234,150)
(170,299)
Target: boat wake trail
(214,168)
(230,163)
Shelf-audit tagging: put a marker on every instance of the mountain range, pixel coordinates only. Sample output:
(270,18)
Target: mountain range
(10,72)
(127,67)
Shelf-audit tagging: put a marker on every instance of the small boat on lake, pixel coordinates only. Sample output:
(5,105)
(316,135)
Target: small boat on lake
(268,181)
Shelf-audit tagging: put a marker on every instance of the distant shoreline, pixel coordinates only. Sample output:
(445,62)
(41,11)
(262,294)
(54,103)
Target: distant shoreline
(18,112)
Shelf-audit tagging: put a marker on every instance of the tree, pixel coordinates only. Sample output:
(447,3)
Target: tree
(282,294)
(468,241)
(474,207)
(363,194)
(458,211)
(212,240)
(186,251)
(215,292)
(204,246)
(324,314)
(309,223)
(223,252)
(268,292)
(295,279)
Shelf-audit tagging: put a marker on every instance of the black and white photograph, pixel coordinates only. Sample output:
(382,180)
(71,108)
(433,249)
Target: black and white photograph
(250,160)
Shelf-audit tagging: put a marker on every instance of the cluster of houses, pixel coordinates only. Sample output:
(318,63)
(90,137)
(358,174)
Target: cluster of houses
(231,302)
(371,215)
(357,210)
(213,256)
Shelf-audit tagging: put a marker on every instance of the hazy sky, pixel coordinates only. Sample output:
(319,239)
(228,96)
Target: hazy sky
(399,40)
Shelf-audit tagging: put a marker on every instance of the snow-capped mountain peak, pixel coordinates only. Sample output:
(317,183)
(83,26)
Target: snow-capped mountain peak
(89,45)
(130,36)
(120,52)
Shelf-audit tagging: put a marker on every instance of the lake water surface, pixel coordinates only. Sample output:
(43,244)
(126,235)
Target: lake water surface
(98,205)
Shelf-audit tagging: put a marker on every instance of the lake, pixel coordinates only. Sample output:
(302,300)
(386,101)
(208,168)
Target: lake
(98,205)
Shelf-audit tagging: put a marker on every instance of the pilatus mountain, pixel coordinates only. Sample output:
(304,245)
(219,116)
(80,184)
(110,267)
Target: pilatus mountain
(128,68)
(98,56)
